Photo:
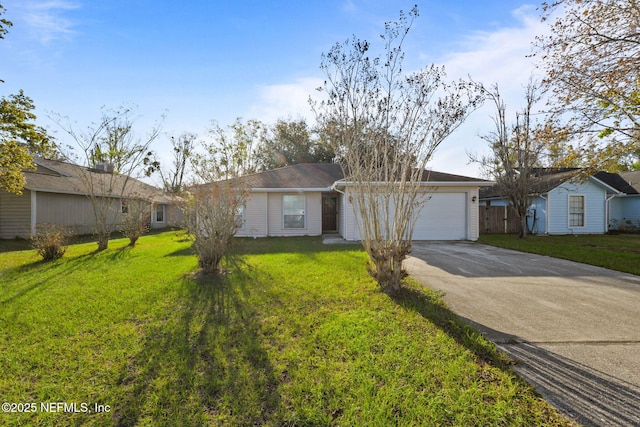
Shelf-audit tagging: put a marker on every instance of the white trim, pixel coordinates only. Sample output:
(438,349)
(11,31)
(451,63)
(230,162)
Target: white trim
(34,212)
(424,184)
(290,190)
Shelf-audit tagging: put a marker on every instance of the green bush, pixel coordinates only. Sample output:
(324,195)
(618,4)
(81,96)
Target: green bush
(50,241)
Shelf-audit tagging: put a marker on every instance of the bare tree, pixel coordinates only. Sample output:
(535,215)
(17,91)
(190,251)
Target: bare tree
(385,126)
(216,199)
(211,216)
(111,138)
(517,153)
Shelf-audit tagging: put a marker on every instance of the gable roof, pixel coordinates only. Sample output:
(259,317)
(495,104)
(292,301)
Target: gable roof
(548,179)
(300,176)
(54,176)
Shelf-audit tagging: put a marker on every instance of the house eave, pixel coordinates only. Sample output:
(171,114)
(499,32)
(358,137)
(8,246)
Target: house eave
(290,190)
(428,184)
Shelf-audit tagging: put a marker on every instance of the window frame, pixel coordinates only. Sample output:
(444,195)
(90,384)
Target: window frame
(155,213)
(304,212)
(572,211)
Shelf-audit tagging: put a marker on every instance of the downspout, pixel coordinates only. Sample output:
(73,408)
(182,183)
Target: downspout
(546,217)
(34,212)
(606,212)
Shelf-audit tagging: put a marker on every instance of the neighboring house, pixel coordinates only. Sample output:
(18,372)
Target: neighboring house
(314,199)
(55,194)
(569,204)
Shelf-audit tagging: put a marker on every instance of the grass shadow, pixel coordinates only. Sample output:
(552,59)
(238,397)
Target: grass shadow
(429,304)
(202,363)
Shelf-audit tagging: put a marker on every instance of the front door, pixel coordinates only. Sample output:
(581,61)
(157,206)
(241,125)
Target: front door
(329,213)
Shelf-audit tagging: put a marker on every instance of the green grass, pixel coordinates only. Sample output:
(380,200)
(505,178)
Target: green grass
(295,334)
(617,252)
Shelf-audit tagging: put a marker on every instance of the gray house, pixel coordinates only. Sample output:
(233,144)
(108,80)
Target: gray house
(56,193)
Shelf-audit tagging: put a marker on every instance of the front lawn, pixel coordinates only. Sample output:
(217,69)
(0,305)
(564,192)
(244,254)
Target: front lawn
(618,252)
(295,334)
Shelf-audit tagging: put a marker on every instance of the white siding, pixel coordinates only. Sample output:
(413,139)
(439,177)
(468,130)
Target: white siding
(255,216)
(15,215)
(595,211)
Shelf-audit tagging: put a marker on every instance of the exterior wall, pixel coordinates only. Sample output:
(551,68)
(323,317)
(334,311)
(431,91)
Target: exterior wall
(255,216)
(15,215)
(343,206)
(537,221)
(313,215)
(68,210)
(624,213)
(172,217)
(595,208)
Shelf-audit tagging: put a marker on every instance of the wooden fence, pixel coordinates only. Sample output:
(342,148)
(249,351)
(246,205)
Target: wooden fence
(498,220)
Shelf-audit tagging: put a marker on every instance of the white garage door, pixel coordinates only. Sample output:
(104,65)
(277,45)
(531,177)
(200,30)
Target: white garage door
(443,217)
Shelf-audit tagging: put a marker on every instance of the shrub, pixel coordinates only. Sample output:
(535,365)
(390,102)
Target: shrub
(50,241)
(135,221)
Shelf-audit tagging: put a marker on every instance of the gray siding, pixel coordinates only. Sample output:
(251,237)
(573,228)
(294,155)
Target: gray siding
(15,215)
(72,211)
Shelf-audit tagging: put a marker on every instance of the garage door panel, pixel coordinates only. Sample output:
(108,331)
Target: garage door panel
(443,217)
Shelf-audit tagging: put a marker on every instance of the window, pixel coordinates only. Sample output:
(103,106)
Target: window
(240,217)
(159,213)
(124,206)
(293,211)
(576,211)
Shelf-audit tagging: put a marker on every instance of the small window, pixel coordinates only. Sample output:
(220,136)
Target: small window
(124,206)
(160,213)
(240,217)
(293,211)
(576,211)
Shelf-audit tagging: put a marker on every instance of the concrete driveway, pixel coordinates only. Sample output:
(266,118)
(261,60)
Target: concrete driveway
(573,329)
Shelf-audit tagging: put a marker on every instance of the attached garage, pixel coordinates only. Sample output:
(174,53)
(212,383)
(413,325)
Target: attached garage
(443,217)
(450,211)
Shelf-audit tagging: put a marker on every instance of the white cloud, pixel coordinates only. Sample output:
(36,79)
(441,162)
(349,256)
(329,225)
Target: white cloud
(284,100)
(45,20)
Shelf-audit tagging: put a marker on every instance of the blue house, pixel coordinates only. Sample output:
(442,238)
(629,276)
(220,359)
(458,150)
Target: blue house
(566,203)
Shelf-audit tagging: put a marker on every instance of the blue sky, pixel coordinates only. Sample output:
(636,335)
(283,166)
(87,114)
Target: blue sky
(198,61)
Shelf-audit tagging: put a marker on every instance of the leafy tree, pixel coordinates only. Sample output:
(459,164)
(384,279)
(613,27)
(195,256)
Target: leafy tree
(517,153)
(400,119)
(232,150)
(592,60)
(183,150)
(20,140)
(4,26)
(290,142)
(110,139)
